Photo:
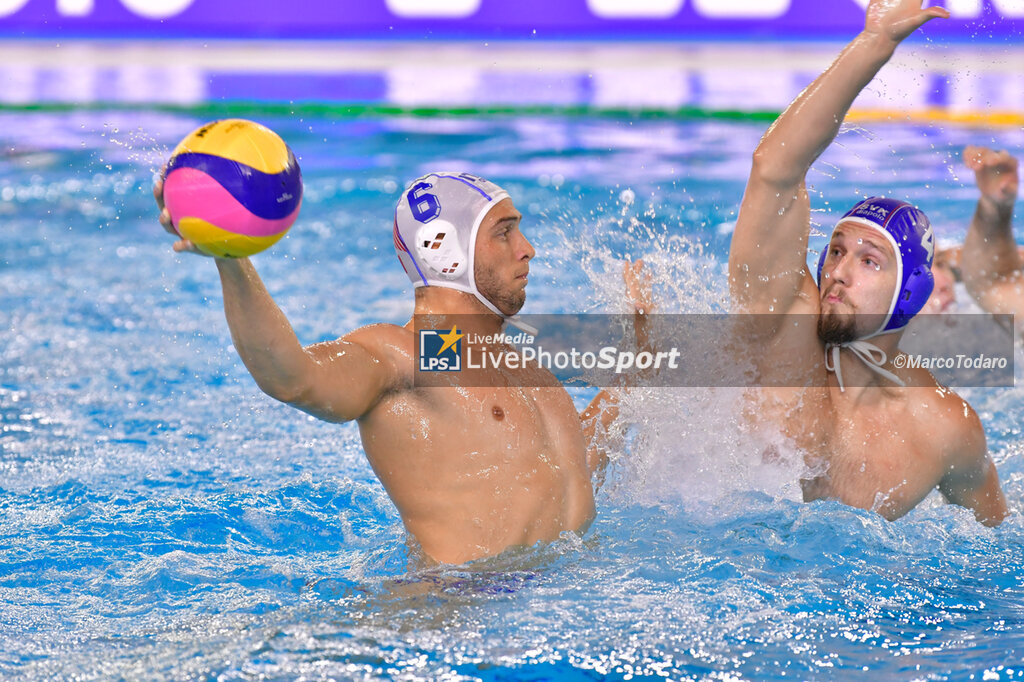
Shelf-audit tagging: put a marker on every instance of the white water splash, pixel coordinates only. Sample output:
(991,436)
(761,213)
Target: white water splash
(686,446)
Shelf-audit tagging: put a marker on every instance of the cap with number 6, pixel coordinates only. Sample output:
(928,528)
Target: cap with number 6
(436,224)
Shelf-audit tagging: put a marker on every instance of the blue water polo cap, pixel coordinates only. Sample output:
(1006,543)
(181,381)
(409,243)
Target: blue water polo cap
(910,233)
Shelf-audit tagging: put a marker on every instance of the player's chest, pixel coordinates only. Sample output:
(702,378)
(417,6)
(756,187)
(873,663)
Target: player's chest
(520,418)
(875,460)
(524,411)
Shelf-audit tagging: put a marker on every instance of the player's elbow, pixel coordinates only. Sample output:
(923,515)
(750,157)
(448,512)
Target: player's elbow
(979,273)
(308,399)
(284,381)
(329,398)
(992,521)
(981,494)
(993,511)
(772,168)
(290,392)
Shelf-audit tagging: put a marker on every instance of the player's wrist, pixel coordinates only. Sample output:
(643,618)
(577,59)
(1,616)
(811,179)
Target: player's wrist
(996,209)
(230,265)
(879,41)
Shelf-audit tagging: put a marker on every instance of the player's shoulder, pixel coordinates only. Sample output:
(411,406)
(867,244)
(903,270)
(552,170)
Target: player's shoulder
(388,343)
(380,332)
(945,415)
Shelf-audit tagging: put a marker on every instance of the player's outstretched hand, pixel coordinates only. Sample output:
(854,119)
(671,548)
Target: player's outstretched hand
(897,19)
(996,174)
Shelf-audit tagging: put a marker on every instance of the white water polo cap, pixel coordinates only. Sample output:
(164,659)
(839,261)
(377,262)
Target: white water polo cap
(436,225)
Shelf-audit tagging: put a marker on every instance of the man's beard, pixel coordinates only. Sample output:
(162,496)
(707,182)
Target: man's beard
(508,302)
(836,329)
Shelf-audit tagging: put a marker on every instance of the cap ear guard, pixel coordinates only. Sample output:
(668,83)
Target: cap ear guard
(437,245)
(916,291)
(821,262)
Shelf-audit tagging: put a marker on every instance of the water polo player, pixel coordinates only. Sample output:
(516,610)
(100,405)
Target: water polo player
(868,441)
(991,261)
(472,471)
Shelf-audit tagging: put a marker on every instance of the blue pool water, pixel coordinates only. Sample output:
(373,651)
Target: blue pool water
(161,519)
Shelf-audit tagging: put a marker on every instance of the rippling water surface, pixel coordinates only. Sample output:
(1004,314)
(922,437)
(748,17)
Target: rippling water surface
(160,518)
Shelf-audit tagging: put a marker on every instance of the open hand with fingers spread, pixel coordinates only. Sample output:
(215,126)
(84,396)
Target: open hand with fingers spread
(897,19)
(996,174)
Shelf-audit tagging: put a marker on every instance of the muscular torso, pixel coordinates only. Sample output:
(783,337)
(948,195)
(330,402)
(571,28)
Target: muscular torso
(881,447)
(872,456)
(474,471)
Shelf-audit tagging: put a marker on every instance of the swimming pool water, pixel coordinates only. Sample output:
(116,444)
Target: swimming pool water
(161,519)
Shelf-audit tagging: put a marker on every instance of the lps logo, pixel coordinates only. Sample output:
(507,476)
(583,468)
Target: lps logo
(440,351)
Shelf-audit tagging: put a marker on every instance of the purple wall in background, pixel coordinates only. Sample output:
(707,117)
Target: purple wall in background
(1000,21)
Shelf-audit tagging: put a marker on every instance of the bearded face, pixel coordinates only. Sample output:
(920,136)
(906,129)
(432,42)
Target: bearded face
(858,278)
(502,264)
(836,328)
(507,297)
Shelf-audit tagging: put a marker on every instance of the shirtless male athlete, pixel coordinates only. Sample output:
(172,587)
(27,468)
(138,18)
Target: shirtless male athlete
(472,471)
(869,442)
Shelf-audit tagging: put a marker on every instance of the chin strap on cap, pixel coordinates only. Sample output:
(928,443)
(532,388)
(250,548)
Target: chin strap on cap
(870,354)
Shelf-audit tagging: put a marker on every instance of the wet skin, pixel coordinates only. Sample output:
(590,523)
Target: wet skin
(875,445)
(472,471)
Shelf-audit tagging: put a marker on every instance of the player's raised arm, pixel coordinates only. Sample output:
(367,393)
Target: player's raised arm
(769,246)
(337,381)
(990,261)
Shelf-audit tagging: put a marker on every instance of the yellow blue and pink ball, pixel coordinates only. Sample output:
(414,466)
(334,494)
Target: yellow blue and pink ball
(233,188)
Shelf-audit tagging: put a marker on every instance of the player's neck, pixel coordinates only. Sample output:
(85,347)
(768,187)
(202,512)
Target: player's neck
(860,379)
(448,307)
